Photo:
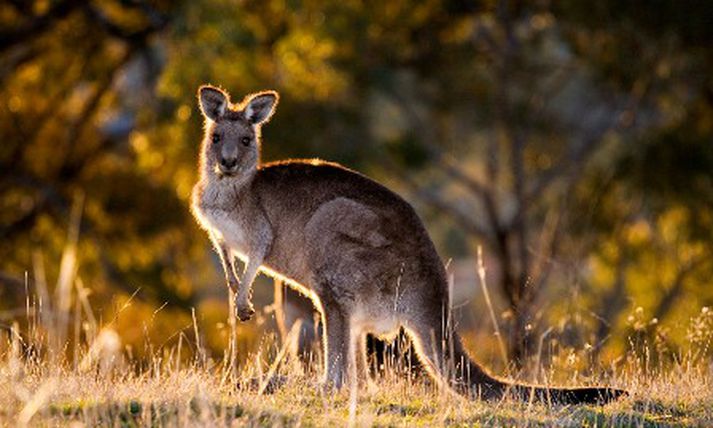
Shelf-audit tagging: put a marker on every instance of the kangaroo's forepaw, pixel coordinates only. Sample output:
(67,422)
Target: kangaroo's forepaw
(245,312)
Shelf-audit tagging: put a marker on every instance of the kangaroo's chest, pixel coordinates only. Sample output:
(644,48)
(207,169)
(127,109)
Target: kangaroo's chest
(218,209)
(227,227)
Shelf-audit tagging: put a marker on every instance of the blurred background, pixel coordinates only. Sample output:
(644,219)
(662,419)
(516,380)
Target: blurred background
(571,141)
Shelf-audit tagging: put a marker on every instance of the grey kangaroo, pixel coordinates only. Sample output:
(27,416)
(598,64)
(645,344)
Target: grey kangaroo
(356,248)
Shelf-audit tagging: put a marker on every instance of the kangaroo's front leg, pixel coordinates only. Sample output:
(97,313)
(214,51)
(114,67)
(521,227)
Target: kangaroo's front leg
(256,257)
(228,263)
(243,299)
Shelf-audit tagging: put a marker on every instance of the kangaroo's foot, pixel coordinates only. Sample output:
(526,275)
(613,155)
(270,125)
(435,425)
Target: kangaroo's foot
(327,386)
(245,310)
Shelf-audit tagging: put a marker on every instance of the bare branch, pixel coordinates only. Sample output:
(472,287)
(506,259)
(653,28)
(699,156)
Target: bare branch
(156,23)
(572,163)
(437,201)
(454,171)
(427,133)
(37,25)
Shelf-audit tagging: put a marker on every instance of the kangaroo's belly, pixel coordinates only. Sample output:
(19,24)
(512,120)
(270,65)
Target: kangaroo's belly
(380,322)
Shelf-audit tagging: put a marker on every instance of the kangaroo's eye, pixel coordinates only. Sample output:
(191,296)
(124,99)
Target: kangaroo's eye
(245,141)
(215,138)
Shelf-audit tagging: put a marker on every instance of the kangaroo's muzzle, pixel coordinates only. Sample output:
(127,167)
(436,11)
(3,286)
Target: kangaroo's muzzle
(228,166)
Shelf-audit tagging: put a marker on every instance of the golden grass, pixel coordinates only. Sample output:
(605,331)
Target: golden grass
(35,393)
(63,368)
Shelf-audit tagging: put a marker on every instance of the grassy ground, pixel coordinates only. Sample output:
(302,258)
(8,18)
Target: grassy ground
(97,393)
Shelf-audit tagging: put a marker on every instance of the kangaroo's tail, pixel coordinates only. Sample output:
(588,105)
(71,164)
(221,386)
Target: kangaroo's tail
(582,395)
(497,388)
(447,361)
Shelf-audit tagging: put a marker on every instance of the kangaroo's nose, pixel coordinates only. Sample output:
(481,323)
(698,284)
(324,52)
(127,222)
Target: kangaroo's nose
(229,163)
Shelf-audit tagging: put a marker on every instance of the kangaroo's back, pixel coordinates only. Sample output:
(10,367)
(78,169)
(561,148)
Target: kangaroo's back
(292,192)
(300,187)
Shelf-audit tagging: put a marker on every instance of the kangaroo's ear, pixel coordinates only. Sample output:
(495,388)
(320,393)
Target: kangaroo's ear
(213,101)
(259,107)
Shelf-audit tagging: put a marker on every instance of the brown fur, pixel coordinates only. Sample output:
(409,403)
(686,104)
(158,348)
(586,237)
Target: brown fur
(352,245)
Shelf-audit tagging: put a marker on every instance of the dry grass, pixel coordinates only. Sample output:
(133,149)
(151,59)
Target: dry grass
(63,368)
(36,393)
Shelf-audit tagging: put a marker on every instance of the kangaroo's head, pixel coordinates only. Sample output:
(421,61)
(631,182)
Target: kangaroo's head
(231,144)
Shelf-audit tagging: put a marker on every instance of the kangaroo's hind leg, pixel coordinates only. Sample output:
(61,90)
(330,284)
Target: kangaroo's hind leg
(336,342)
(362,357)
(342,238)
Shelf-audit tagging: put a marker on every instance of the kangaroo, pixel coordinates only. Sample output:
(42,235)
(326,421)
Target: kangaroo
(356,248)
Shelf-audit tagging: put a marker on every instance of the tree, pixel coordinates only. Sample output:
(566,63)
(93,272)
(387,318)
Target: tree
(540,128)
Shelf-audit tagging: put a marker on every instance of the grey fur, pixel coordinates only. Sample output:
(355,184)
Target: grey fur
(352,245)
